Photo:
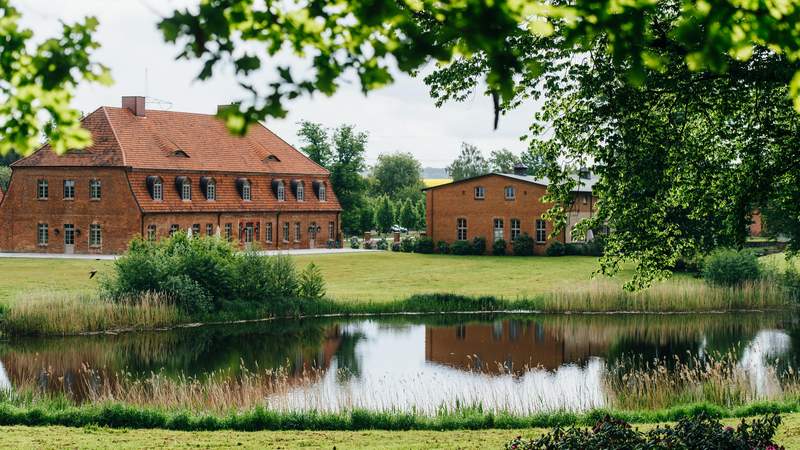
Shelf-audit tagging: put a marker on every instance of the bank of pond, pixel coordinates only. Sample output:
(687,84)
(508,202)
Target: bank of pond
(467,370)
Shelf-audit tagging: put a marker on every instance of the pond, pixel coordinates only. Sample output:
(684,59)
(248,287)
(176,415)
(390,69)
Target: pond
(516,363)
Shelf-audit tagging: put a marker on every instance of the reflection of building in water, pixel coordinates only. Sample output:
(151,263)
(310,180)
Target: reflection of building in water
(509,346)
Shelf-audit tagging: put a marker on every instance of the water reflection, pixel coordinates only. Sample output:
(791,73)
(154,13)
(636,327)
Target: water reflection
(518,363)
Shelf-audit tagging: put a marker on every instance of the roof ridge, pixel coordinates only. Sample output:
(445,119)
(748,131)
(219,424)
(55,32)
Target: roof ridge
(114,133)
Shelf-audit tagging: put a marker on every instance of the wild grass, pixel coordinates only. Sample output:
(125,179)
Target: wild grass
(53,313)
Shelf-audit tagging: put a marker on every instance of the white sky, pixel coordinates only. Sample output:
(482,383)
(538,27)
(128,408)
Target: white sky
(400,117)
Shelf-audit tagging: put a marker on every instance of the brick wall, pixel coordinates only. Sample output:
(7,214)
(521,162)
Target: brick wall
(447,203)
(21,211)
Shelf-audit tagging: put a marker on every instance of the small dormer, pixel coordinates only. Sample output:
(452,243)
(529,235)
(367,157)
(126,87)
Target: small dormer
(271,158)
(178,153)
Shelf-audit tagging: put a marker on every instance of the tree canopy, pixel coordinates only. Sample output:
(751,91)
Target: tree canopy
(470,162)
(398,175)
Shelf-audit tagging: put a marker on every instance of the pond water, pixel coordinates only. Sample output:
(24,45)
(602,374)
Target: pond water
(520,363)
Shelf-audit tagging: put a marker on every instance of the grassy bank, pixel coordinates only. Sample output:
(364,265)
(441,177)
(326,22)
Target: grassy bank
(24,437)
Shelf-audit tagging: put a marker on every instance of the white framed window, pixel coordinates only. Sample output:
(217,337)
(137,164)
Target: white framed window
(69,189)
(246,191)
(331,235)
(95,235)
(42,234)
(186,191)
(209,229)
(297,232)
(301,192)
(268,232)
(229,231)
(480,193)
(461,229)
(196,230)
(541,231)
(174,228)
(281,192)
(515,228)
(158,190)
(322,193)
(151,232)
(69,234)
(211,190)
(511,192)
(95,189)
(498,229)
(285,231)
(42,189)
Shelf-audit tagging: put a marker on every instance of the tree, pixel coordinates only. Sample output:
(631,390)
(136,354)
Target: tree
(5,177)
(421,215)
(384,214)
(469,163)
(408,215)
(398,175)
(366,218)
(503,161)
(315,142)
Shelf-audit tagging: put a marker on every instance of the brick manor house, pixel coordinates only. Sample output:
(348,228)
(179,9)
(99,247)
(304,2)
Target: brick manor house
(502,206)
(154,173)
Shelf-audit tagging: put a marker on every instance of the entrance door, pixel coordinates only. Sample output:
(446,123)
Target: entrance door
(249,232)
(69,238)
(312,235)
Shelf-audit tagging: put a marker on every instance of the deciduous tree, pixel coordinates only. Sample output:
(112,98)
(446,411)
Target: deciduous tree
(469,163)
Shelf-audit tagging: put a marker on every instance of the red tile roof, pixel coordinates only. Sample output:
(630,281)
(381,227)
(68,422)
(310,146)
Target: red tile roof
(169,140)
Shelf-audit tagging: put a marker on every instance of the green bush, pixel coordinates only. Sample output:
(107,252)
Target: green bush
(382,244)
(312,283)
(555,249)
(354,244)
(407,245)
(424,245)
(523,245)
(728,267)
(201,274)
(461,248)
(701,431)
(442,247)
(479,245)
(499,247)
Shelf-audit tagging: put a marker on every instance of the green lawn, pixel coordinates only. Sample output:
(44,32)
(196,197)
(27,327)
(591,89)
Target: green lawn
(23,437)
(353,276)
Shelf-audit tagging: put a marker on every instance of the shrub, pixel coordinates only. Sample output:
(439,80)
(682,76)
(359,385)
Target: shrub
(479,245)
(407,245)
(354,244)
(555,249)
(699,431)
(728,267)
(382,244)
(187,294)
(523,245)
(442,247)
(368,244)
(424,245)
(312,283)
(461,248)
(499,247)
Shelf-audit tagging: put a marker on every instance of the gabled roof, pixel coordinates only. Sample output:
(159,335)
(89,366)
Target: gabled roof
(170,140)
(584,184)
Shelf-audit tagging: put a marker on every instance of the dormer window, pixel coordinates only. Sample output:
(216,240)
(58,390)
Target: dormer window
(184,186)
(245,189)
(279,189)
(322,192)
(320,189)
(271,158)
(156,187)
(246,192)
(179,154)
(301,192)
(208,186)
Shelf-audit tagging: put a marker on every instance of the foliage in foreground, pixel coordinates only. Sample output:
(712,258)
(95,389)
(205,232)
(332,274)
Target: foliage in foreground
(202,275)
(728,267)
(701,431)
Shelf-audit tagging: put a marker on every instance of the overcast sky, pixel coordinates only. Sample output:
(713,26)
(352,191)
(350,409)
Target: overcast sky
(401,117)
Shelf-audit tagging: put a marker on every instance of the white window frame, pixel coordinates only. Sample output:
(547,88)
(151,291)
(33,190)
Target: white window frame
(510,190)
(480,193)
(247,193)
(461,229)
(498,232)
(211,190)
(229,231)
(42,234)
(301,192)
(174,228)
(281,192)
(516,228)
(42,189)
(95,235)
(158,190)
(209,229)
(268,232)
(70,235)
(285,231)
(323,195)
(186,191)
(151,232)
(330,231)
(95,189)
(298,232)
(541,231)
(69,188)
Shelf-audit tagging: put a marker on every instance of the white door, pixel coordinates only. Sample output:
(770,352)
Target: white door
(249,232)
(69,238)
(312,235)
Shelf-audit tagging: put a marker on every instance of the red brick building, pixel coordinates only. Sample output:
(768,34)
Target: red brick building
(500,206)
(152,173)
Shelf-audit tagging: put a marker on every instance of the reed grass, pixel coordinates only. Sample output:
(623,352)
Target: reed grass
(53,313)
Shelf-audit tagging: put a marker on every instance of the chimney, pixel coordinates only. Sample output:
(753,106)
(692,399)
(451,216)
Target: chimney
(135,104)
(520,169)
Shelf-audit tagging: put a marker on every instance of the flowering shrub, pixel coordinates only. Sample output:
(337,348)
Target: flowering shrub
(354,244)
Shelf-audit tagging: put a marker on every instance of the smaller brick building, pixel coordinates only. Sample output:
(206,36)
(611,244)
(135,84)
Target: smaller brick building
(501,206)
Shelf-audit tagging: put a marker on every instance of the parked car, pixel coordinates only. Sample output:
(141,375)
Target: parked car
(399,229)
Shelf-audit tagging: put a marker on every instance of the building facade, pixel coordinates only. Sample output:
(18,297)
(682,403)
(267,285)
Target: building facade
(154,173)
(500,206)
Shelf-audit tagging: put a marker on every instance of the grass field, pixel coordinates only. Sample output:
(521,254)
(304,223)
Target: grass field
(22,437)
(378,276)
